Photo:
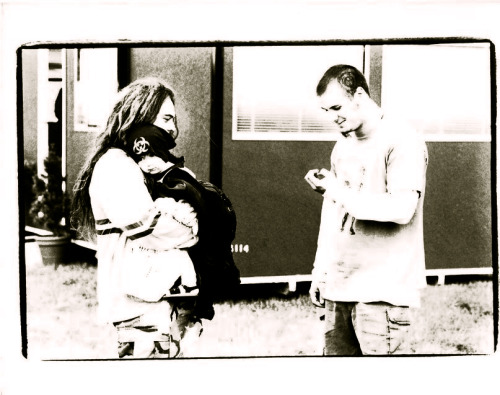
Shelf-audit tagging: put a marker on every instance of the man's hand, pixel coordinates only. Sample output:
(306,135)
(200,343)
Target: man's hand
(315,292)
(320,180)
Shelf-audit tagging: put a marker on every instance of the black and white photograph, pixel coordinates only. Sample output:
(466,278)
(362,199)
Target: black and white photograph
(255,202)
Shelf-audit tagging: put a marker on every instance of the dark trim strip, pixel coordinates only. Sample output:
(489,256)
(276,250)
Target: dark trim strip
(108,231)
(155,220)
(141,234)
(135,225)
(102,221)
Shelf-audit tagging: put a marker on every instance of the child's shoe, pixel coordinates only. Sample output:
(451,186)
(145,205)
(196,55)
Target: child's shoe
(181,290)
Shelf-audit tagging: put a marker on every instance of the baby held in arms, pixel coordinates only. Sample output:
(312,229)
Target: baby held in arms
(171,272)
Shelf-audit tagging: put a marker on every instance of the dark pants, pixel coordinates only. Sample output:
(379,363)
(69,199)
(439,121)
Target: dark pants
(353,328)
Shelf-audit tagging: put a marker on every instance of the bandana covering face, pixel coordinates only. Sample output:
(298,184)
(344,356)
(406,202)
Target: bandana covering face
(147,139)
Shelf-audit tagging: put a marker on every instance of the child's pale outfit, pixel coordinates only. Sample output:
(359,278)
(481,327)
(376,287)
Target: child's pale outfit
(150,274)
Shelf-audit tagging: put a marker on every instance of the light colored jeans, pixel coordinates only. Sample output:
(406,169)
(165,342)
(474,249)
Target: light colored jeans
(161,332)
(353,328)
(139,340)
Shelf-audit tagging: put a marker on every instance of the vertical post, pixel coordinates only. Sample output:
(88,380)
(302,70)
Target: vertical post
(64,130)
(64,116)
(494,193)
(42,126)
(22,219)
(216,116)
(373,71)
(123,66)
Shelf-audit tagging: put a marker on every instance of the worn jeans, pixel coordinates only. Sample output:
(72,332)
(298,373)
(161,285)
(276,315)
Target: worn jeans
(353,328)
(142,337)
(138,340)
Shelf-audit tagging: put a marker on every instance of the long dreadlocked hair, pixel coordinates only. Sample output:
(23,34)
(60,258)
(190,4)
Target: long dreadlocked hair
(137,103)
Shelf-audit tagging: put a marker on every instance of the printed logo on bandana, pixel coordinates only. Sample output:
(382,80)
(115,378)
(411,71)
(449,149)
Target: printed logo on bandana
(141,146)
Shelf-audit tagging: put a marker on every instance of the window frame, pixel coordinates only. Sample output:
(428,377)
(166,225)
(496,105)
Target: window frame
(110,70)
(298,135)
(441,136)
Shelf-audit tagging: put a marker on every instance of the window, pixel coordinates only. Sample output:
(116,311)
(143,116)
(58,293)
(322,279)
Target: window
(49,132)
(444,89)
(96,84)
(274,90)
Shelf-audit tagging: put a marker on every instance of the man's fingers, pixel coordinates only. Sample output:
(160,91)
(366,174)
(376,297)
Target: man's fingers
(316,302)
(324,172)
(313,186)
(310,178)
(316,298)
(311,173)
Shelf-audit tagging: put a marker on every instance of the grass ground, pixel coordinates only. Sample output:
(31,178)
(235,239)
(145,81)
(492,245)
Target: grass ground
(455,318)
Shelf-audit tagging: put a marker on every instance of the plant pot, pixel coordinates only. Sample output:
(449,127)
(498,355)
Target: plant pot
(54,249)
(32,255)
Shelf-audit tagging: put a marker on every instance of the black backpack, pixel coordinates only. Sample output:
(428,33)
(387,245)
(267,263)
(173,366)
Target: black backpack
(212,256)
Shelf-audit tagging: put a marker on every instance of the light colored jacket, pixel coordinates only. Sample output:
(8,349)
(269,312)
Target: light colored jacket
(370,244)
(128,221)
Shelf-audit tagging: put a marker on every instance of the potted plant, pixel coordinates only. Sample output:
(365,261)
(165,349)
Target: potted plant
(50,211)
(28,190)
